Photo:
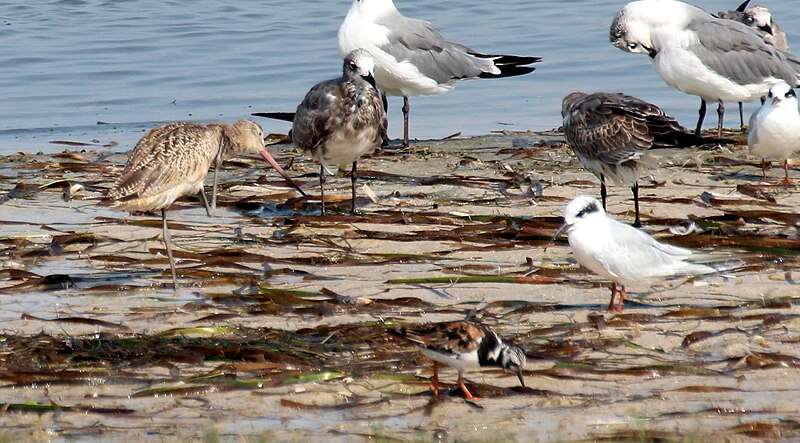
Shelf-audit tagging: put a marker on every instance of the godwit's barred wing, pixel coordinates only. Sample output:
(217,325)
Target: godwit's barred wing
(176,155)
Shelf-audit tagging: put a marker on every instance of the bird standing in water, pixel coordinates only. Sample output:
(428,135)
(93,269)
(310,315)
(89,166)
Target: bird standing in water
(173,159)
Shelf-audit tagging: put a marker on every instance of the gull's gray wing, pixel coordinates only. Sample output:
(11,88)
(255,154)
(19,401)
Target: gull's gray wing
(735,51)
(421,44)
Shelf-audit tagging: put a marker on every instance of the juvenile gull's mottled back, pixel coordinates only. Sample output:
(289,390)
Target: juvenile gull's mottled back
(612,134)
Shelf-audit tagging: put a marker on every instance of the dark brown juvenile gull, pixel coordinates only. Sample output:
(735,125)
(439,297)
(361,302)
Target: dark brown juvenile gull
(611,134)
(413,58)
(342,119)
(174,159)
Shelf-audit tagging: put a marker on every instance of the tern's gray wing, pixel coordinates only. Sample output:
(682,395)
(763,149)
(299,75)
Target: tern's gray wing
(420,43)
(752,134)
(735,51)
(311,125)
(608,127)
(634,255)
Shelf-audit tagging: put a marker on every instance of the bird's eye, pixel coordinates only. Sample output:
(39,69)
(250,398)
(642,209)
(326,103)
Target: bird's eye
(791,93)
(770,94)
(632,45)
(352,65)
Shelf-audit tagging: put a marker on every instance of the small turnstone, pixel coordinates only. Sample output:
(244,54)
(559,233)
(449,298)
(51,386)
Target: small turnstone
(775,129)
(463,345)
(621,253)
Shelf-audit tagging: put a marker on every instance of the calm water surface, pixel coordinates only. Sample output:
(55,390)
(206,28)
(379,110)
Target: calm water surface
(67,65)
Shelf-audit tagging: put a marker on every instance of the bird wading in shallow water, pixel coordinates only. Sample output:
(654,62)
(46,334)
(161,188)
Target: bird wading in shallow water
(340,120)
(775,129)
(413,58)
(612,135)
(463,345)
(621,253)
(173,159)
(699,54)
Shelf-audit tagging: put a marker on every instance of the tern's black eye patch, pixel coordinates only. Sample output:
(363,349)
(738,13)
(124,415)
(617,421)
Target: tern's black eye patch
(791,93)
(588,209)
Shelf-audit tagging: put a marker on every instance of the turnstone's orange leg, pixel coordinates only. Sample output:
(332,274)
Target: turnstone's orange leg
(613,294)
(464,388)
(621,298)
(435,379)
(786,181)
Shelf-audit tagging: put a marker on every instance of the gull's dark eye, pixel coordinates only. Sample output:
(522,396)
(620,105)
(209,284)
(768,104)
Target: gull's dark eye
(632,45)
(352,65)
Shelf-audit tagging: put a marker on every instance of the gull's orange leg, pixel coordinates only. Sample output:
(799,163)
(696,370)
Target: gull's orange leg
(464,387)
(435,379)
(613,294)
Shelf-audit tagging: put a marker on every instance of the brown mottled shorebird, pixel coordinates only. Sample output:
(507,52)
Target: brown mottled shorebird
(612,133)
(341,119)
(173,159)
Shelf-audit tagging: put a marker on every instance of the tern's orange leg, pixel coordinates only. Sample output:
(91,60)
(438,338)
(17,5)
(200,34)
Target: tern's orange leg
(435,379)
(613,294)
(464,388)
(786,181)
(621,298)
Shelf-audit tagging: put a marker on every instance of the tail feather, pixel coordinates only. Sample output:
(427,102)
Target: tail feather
(509,65)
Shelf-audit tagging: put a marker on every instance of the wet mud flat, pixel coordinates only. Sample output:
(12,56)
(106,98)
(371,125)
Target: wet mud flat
(279,330)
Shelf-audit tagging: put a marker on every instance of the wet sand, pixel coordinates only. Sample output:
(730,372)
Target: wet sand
(278,332)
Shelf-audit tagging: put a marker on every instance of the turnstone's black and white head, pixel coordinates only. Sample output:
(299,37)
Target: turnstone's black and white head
(463,345)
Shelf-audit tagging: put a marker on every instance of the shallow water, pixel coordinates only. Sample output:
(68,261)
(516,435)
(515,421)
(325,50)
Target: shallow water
(68,65)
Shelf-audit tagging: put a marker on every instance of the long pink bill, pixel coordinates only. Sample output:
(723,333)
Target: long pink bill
(268,157)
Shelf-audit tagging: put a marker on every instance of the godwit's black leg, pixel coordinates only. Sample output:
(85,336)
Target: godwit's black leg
(603,191)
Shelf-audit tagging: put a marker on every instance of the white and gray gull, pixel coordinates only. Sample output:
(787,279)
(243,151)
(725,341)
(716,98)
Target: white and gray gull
(612,135)
(699,54)
(341,119)
(759,19)
(413,58)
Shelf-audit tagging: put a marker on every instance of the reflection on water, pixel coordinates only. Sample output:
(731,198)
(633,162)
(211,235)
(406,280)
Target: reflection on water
(68,65)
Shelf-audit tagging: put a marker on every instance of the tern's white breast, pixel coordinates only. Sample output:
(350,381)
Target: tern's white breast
(778,133)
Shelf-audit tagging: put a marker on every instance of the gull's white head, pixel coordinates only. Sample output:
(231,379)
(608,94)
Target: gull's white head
(781,94)
(632,28)
(359,63)
(372,8)
(582,208)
